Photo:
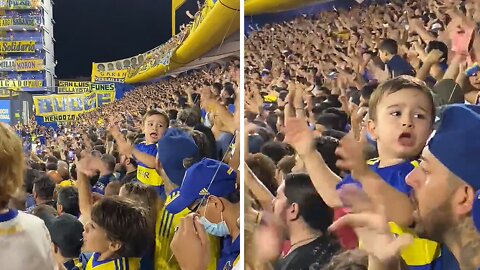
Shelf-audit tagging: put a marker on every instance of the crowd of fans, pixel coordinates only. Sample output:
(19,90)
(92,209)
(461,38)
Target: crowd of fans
(343,169)
(149,181)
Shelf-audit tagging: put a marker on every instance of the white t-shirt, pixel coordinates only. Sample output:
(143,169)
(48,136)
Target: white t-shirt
(24,242)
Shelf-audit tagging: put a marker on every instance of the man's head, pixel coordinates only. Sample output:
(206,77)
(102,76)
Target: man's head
(387,49)
(175,151)
(110,161)
(155,124)
(66,234)
(449,169)
(119,228)
(52,163)
(209,188)
(63,170)
(127,163)
(298,205)
(67,201)
(401,112)
(43,189)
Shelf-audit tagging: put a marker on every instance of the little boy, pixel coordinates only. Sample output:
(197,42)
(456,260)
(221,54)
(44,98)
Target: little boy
(155,124)
(401,120)
(116,229)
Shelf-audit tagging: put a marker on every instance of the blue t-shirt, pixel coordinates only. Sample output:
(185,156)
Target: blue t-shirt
(399,66)
(102,183)
(230,253)
(393,175)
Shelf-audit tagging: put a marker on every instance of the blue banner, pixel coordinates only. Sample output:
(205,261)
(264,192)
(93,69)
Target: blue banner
(5,111)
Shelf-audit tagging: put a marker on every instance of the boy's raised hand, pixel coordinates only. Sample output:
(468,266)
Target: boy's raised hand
(351,155)
(299,136)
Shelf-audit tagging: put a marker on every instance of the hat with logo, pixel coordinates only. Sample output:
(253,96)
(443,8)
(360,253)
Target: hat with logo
(202,179)
(456,145)
(174,147)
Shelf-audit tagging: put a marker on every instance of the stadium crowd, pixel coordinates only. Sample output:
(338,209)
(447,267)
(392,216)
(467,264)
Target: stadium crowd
(149,181)
(343,169)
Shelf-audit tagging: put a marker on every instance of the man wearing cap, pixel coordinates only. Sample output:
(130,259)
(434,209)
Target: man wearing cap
(446,191)
(67,239)
(175,150)
(209,189)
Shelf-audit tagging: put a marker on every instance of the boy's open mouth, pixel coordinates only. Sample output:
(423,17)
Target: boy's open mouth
(406,139)
(154,135)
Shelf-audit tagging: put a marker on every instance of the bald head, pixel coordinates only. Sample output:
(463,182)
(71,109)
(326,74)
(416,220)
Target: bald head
(63,170)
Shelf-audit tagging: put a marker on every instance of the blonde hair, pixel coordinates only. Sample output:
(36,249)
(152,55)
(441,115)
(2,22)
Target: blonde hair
(12,164)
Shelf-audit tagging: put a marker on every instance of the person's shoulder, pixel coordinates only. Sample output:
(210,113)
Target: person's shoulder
(30,219)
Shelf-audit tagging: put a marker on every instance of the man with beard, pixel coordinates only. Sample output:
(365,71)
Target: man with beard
(128,167)
(446,192)
(305,218)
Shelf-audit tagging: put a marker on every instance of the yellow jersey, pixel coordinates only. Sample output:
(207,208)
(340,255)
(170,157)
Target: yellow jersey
(165,229)
(145,174)
(113,264)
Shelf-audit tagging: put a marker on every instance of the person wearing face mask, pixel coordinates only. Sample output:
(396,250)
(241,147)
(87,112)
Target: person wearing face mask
(209,188)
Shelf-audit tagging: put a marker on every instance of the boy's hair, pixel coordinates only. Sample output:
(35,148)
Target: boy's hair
(264,168)
(125,222)
(389,45)
(156,112)
(397,84)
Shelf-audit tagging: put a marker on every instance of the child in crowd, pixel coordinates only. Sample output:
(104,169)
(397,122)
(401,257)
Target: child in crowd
(155,124)
(401,120)
(117,230)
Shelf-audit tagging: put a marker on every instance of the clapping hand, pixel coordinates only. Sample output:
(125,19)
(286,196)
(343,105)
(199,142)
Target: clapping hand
(370,224)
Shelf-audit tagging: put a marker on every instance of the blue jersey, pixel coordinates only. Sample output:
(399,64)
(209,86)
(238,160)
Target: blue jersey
(145,174)
(394,175)
(230,254)
(423,254)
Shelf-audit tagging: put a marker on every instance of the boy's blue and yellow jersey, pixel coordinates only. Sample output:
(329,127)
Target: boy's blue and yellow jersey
(165,229)
(113,264)
(423,254)
(394,175)
(230,254)
(145,174)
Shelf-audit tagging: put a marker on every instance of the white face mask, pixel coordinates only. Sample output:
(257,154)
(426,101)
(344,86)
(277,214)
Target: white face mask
(215,229)
(218,229)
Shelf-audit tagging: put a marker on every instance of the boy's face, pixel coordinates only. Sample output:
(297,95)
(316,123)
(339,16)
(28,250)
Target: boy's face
(154,128)
(95,239)
(403,124)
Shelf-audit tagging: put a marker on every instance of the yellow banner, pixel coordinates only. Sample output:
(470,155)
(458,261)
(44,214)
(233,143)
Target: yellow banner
(6,22)
(59,118)
(29,64)
(21,4)
(5,93)
(99,74)
(17,46)
(51,105)
(22,83)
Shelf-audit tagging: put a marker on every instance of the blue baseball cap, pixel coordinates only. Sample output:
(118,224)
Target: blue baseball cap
(202,179)
(175,146)
(456,145)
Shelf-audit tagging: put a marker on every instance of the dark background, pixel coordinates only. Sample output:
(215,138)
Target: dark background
(104,30)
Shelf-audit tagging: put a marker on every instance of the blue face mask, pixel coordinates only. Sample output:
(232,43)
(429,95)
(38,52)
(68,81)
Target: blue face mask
(219,229)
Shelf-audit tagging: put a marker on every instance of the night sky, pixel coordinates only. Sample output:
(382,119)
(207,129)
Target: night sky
(104,30)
